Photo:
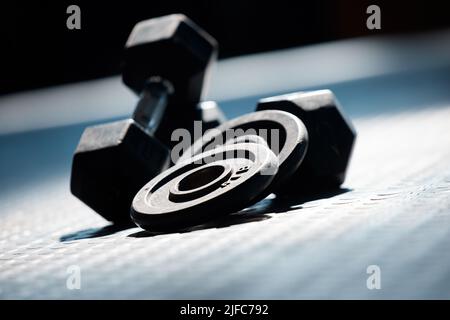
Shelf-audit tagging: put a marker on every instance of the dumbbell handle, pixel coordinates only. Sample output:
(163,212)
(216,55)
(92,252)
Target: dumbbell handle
(152,103)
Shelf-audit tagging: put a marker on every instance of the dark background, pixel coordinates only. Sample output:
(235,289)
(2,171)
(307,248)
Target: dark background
(38,50)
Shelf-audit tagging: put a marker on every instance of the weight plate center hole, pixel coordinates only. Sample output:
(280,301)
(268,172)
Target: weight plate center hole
(199,182)
(200,178)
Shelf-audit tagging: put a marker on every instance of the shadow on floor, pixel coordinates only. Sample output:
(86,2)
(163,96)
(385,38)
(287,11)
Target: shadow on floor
(258,212)
(255,213)
(291,202)
(96,232)
(233,219)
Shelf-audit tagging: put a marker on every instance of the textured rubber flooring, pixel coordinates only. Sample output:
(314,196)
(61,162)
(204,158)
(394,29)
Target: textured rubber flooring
(394,212)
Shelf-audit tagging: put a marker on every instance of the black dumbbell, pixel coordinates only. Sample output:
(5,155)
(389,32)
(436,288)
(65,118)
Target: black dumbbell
(331,139)
(311,159)
(177,50)
(210,114)
(166,60)
(207,112)
(113,160)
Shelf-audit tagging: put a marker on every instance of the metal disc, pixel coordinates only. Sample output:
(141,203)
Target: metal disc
(290,146)
(204,187)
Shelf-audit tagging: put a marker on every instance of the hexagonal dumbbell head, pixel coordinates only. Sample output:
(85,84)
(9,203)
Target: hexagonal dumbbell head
(331,138)
(171,47)
(111,163)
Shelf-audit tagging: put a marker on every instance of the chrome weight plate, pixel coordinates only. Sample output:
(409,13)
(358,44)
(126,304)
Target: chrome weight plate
(207,186)
(285,134)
